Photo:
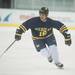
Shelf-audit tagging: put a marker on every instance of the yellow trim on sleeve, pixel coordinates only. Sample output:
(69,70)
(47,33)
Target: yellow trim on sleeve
(63,28)
(23,28)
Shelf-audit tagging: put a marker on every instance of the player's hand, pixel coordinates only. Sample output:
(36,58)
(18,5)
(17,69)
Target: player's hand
(18,35)
(68,42)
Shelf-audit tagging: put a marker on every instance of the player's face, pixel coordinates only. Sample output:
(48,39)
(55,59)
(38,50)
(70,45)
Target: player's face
(43,17)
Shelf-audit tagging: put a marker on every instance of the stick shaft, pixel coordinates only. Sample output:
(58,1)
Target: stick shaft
(7,48)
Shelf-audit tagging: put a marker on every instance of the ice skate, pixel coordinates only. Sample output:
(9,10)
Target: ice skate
(50,59)
(59,65)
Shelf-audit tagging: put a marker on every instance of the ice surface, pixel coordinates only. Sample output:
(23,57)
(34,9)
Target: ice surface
(22,58)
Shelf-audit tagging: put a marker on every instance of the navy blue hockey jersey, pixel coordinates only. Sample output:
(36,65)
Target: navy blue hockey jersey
(40,29)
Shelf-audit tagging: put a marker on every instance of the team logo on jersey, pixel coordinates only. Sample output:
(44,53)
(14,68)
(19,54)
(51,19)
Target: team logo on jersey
(43,31)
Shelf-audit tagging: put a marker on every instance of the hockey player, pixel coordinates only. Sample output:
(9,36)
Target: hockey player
(42,35)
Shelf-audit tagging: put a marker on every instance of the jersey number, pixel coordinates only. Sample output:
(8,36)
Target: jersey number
(43,33)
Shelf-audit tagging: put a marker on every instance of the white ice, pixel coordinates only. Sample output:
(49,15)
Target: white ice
(23,59)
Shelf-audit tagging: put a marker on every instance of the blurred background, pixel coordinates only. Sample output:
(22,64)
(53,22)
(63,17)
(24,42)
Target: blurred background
(53,5)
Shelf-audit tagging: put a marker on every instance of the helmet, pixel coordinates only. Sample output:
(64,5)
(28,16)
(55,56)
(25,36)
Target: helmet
(44,10)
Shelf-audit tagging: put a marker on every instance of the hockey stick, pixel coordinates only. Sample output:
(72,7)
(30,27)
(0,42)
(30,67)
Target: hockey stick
(7,48)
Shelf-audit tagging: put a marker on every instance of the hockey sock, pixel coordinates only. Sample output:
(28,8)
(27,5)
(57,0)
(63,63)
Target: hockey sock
(54,52)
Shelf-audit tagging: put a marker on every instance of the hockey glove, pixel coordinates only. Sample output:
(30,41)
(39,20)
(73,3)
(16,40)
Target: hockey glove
(18,34)
(17,37)
(68,40)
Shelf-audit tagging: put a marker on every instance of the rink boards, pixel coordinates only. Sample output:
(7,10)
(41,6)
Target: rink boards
(13,18)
